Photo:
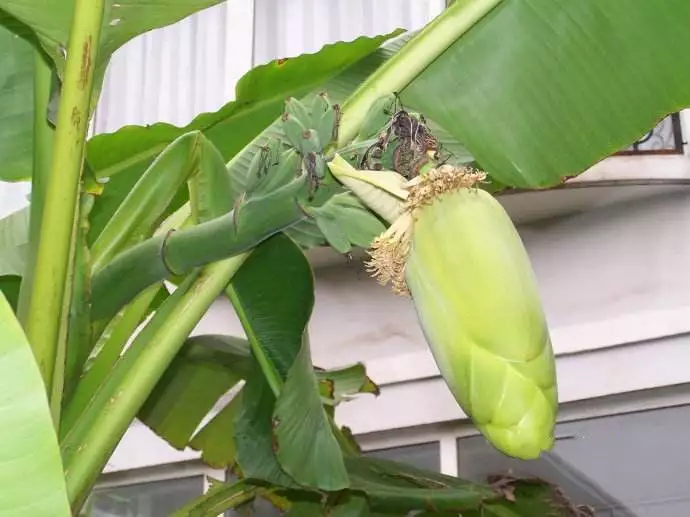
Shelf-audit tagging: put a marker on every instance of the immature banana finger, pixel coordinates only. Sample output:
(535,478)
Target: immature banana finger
(296,108)
(293,129)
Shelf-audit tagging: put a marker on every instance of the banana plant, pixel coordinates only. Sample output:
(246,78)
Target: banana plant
(392,143)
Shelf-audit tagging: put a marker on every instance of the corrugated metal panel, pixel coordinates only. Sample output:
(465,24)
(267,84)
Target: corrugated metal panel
(286,28)
(13,196)
(174,73)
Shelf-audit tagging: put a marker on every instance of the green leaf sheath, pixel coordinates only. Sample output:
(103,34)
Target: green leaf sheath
(31,480)
(152,378)
(50,273)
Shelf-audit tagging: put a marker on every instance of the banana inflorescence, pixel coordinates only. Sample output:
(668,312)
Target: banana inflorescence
(455,251)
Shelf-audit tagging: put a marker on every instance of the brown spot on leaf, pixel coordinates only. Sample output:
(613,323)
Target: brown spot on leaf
(281,62)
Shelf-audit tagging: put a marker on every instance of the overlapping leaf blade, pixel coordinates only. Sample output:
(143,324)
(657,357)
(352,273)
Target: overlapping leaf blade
(542,89)
(16,99)
(206,368)
(34,485)
(273,294)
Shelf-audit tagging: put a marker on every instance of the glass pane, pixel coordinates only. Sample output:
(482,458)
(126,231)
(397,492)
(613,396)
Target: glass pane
(633,465)
(258,508)
(423,456)
(157,499)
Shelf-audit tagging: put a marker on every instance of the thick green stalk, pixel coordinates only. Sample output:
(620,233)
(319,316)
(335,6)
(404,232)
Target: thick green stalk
(155,259)
(108,350)
(43,150)
(50,272)
(401,69)
(92,440)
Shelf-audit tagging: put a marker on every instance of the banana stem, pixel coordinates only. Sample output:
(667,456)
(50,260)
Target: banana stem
(43,150)
(401,69)
(50,271)
(91,441)
(156,259)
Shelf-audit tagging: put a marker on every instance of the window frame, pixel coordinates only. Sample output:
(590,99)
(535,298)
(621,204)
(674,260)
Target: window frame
(447,434)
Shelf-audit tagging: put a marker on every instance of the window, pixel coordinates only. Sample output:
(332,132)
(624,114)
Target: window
(423,456)
(155,499)
(632,465)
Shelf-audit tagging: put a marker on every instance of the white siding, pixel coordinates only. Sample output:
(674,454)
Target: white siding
(291,27)
(174,73)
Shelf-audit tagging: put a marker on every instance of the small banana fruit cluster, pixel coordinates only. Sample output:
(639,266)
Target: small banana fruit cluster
(307,133)
(310,132)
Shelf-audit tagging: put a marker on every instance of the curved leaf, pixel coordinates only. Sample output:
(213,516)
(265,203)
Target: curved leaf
(273,294)
(40,489)
(16,100)
(206,368)
(542,89)
(51,21)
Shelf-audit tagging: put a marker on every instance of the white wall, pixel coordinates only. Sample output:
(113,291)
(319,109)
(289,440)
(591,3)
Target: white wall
(174,73)
(291,27)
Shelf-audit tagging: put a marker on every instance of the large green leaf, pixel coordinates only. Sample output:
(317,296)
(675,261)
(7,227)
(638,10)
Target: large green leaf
(31,473)
(260,94)
(51,20)
(542,89)
(273,294)
(16,100)
(206,368)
